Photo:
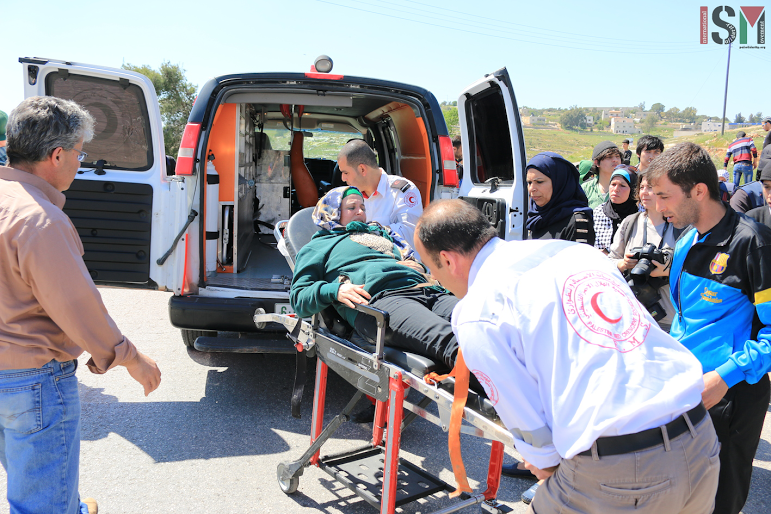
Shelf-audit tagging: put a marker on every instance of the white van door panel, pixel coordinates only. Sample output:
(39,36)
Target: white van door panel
(494,154)
(125,207)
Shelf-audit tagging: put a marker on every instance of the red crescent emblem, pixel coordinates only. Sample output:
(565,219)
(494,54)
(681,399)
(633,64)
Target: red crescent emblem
(599,312)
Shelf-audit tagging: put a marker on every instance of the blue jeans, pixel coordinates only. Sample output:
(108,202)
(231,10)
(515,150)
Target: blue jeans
(40,438)
(742,168)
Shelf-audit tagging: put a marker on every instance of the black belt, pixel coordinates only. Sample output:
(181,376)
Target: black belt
(620,444)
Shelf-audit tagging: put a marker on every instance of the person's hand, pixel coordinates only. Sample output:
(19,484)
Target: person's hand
(144,370)
(541,474)
(714,389)
(349,294)
(410,263)
(660,270)
(627,262)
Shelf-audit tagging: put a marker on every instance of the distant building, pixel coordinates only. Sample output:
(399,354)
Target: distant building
(616,114)
(589,121)
(620,125)
(710,126)
(534,120)
(524,111)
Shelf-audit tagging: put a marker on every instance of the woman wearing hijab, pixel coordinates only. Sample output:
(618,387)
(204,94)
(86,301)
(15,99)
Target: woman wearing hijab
(620,204)
(350,261)
(558,208)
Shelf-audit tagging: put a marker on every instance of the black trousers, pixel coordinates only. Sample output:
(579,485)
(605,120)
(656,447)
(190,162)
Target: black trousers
(738,420)
(419,323)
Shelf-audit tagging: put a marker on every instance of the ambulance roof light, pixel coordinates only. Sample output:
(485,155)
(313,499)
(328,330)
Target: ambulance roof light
(323,64)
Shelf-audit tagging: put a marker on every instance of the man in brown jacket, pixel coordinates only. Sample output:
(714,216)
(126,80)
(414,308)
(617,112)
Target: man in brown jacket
(50,311)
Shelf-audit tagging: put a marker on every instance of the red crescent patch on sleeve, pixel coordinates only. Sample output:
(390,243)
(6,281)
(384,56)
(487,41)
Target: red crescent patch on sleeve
(411,199)
(492,392)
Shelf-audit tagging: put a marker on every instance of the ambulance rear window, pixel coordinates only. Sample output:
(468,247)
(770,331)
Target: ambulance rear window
(122,137)
(489,135)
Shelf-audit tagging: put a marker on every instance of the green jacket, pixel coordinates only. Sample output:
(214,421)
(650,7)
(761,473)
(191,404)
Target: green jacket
(3,122)
(332,255)
(592,189)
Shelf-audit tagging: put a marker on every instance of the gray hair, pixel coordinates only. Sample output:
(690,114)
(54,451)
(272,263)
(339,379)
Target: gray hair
(41,124)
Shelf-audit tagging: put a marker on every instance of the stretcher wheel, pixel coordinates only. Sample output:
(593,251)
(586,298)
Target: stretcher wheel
(287,486)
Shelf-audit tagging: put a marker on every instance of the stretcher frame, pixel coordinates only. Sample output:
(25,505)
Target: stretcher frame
(374,375)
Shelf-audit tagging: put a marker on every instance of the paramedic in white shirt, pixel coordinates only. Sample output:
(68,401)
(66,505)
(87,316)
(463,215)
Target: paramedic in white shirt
(602,403)
(389,199)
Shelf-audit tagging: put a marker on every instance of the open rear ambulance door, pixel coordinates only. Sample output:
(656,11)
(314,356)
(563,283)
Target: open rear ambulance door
(494,153)
(125,207)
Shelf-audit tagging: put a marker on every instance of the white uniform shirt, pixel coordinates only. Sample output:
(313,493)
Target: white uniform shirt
(565,351)
(395,203)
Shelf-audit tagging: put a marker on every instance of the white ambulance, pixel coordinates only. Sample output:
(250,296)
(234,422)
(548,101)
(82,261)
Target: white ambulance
(256,147)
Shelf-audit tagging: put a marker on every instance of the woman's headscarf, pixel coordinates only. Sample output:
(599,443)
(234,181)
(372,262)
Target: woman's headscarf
(618,211)
(326,215)
(567,196)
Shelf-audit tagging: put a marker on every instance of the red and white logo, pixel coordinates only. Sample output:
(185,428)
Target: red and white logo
(411,199)
(603,312)
(492,392)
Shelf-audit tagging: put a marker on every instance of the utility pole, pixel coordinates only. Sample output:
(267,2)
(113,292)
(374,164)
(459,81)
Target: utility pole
(728,68)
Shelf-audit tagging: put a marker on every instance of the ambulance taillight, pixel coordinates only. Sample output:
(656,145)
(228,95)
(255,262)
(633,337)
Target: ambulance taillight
(449,169)
(186,155)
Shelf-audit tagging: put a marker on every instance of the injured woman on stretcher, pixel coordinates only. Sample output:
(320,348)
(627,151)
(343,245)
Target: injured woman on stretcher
(349,261)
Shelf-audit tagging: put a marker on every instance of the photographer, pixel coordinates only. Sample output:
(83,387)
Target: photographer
(651,278)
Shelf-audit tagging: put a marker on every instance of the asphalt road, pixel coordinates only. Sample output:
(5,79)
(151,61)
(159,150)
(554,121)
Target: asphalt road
(210,438)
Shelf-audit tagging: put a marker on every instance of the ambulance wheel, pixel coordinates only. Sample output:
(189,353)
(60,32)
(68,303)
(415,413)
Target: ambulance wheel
(287,486)
(189,336)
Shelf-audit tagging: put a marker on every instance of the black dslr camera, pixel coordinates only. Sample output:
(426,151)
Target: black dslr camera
(645,288)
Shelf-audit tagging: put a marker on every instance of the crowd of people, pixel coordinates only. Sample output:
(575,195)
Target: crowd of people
(627,342)
(664,217)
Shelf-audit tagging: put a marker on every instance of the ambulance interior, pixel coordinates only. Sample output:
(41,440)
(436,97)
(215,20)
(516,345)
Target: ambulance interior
(274,154)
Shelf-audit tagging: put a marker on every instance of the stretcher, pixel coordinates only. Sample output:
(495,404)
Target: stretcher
(375,472)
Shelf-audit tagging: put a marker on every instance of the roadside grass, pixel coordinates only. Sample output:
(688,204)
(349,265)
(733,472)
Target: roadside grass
(576,145)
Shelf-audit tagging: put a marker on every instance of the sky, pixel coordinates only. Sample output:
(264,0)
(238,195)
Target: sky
(558,53)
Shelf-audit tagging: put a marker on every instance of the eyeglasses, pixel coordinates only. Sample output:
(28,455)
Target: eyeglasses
(81,155)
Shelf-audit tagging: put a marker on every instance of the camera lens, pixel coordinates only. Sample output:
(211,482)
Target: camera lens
(641,271)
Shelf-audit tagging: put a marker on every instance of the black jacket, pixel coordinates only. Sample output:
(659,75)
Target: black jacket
(761,215)
(579,228)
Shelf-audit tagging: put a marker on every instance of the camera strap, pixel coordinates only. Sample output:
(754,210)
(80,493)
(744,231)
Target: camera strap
(645,232)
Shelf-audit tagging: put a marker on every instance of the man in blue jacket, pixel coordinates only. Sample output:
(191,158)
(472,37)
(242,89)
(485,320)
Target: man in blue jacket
(721,288)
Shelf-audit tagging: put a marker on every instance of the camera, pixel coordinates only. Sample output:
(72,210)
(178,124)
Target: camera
(645,256)
(645,288)
(649,297)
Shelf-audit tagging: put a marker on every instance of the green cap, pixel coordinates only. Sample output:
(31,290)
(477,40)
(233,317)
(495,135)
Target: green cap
(3,122)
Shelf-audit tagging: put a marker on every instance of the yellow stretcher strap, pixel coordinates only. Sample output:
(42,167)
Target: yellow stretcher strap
(461,374)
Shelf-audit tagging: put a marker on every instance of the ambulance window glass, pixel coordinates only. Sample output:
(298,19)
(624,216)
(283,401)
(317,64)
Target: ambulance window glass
(122,137)
(317,143)
(489,130)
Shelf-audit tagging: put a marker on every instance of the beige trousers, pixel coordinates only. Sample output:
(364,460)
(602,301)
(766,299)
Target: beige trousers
(677,476)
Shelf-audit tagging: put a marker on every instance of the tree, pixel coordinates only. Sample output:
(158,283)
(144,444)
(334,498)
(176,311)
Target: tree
(657,107)
(452,120)
(175,97)
(574,118)
(641,105)
(673,114)
(759,116)
(739,118)
(751,119)
(689,114)
(649,123)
